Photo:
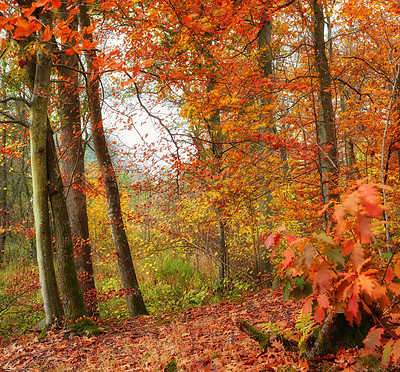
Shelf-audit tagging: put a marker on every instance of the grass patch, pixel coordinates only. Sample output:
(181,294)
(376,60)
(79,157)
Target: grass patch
(20,300)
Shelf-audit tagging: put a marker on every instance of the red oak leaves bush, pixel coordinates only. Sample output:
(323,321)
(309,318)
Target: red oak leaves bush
(342,270)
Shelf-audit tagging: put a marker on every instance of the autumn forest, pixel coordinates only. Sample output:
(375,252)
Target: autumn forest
(199,185)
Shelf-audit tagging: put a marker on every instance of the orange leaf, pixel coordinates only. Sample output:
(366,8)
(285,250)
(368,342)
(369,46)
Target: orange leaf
(3,6)
(357,256)
(40,3)
(47,34)
(289,255)
(323,300)
(351,203)
(370,201)
(189,18)
(147,63)
(397,268)
(307,307)
(395,288)
(322,277)
(366,284)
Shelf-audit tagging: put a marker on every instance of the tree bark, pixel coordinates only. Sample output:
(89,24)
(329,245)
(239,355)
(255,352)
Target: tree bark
(326,130)
(38,140)
(130,283)
(74,169)
(265,61)
(213,127)
(3,199)
(73,301)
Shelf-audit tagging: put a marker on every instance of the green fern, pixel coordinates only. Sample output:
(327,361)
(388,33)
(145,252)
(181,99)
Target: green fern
(304,327)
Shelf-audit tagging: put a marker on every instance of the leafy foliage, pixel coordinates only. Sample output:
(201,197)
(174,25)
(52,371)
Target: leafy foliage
(338,266)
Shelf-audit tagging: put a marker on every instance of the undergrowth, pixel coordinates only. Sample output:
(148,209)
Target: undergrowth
(169,283)
(20,301)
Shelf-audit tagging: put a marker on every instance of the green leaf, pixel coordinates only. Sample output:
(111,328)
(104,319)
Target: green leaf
(303,292)
(334,255)
(386,353)
(324,238)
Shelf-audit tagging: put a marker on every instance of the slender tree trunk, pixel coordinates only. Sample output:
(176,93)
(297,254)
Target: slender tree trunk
(326,131)
(73,301)
(214,131)
(46,176)
(3,198)
(38,140)
(265,61)
(74,169)
(133,294)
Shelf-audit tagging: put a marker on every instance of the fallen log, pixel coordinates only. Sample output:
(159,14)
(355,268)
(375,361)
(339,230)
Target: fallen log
(266,339)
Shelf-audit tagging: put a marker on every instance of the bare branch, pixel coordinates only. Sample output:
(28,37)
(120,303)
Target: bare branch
(15,99)
(13,119)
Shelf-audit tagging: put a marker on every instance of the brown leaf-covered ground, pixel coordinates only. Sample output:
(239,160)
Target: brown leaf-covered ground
(199,339)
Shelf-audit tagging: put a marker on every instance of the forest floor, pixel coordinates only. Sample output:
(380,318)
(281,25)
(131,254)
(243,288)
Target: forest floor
(200,339)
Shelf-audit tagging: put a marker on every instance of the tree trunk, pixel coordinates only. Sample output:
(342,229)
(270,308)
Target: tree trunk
(335,333)
(38,140)
(3,198)
(265,61)
(326,131)
(74,170)
(73,301)
(213,127)
(133,294)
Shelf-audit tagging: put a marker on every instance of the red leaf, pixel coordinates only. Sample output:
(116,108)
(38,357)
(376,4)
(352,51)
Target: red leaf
(322,278)
(270,239)
(352,310)
(319,314)
(348,247)
(357,256)
(56,4)
(389,275)
(291,239)
(188,19)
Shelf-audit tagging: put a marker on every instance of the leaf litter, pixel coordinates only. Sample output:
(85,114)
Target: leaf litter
(199,339)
